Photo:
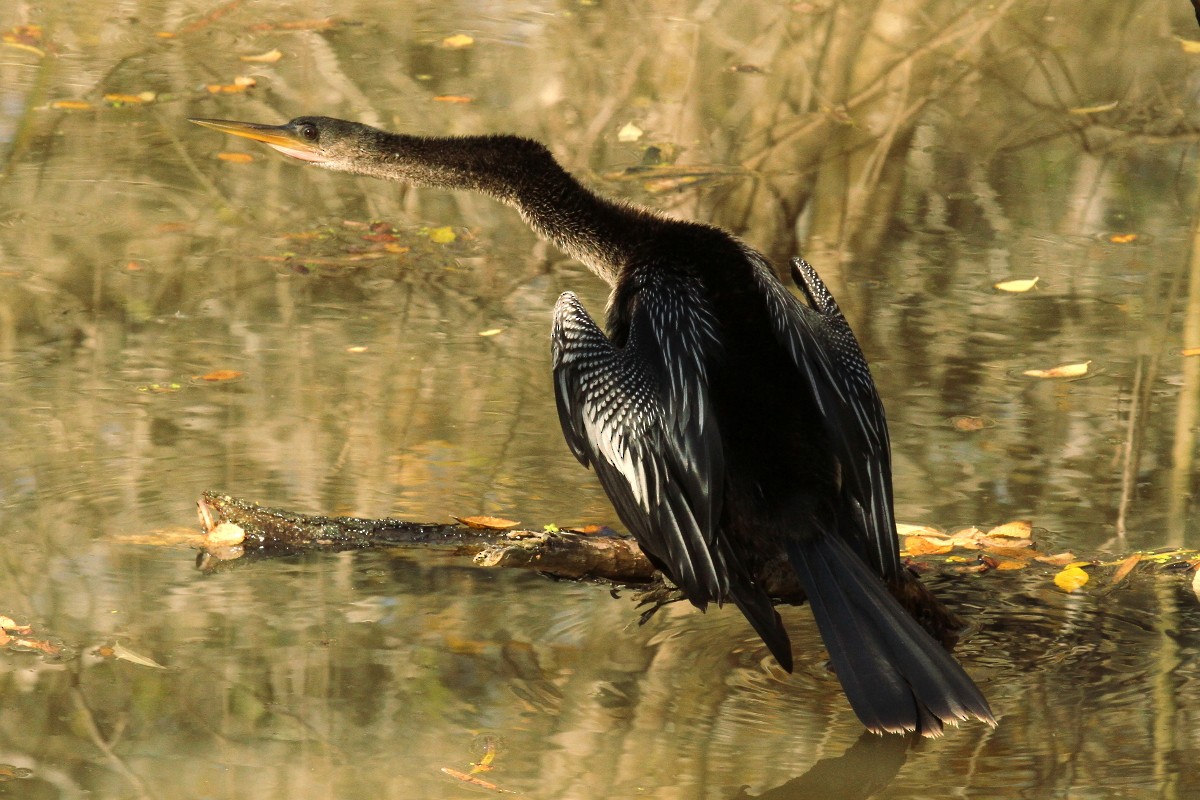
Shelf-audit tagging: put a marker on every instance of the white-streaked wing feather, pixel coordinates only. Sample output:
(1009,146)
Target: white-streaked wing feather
(640,416)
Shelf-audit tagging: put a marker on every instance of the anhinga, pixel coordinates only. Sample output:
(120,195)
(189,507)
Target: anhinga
(735,428)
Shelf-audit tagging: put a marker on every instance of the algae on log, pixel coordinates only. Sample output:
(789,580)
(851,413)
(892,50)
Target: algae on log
(235,527)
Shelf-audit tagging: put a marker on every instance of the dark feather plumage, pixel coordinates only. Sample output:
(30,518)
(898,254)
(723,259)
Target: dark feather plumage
(735,428)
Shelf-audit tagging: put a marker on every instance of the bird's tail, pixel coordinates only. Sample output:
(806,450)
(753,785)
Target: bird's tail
(895,675)
(755,604)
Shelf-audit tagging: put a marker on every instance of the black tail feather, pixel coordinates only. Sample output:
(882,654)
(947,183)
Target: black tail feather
(896,677)
(755,604)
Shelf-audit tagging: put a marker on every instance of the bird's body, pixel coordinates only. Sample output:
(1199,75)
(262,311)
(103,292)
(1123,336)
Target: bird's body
(735,428)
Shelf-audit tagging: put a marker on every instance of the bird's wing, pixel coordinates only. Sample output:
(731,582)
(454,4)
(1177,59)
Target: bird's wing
(640,415)
(822,346)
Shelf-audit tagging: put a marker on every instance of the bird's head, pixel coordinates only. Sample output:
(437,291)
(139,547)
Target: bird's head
(325,141)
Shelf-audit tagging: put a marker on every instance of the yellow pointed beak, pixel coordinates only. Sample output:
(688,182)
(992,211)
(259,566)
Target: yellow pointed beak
(277,136)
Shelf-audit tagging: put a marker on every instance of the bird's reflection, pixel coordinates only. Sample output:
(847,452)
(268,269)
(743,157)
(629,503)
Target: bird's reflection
(867,767)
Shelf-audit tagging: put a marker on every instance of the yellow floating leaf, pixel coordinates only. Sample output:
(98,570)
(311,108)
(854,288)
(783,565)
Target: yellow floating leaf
(1016,286)
(1097,109)
(1190,351)
(165,35)
(124,653)
(1126,567)
(487,523)
(454,98)
(1122,238)
(969,424)
(444,235)
(491,331)
(71,105)
(1017,529)
(909,530)
(1061,371)
(1188,45)
(629,133)
(921,546)
(10,625)
(236,158)
(356,348)
(269,57)
(458,41)
(1070,579)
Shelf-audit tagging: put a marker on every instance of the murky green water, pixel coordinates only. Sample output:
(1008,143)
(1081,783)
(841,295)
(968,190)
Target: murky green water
(134,260)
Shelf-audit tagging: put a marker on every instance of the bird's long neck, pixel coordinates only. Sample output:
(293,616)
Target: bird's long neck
(522,174)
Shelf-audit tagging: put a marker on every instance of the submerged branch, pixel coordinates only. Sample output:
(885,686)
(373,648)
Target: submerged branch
(235,527)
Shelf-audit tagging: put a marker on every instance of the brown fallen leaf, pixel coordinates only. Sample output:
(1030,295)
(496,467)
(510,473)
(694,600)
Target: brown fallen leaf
(1017,529)
(218,375)
(1061,371)
(1126,567)
(1057,560)
(487,523)
(473,781)
(124,653)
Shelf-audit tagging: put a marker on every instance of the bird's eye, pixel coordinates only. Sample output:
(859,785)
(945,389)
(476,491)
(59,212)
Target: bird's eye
(308,132)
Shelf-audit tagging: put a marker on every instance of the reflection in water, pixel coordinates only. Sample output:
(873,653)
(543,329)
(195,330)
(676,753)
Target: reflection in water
(128,262)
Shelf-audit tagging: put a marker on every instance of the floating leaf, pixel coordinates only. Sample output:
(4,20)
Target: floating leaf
(1188,45)
(967,423)
(1017,529)
(1061,371)
(1123,238)
(1196,584)
(24,37)
(629,133)
(1126,567)
(487,523)
(1097,109)
(491,331)
(924,530)
(1190,351)
(236,158)
(921,546)
(71,105)
(130,99)
(458,41)
(124,653)
(1016,286)
(1070,579)
(356,348)
(473,781)
(218,375)
(269,57)
(454,98)
(9,625)
(443,235)
(240,84)
(1009,565)
(1057,560)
